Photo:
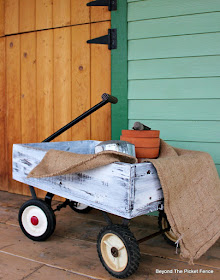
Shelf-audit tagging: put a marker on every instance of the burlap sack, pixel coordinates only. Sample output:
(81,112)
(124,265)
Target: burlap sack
(57,162)
(191,188)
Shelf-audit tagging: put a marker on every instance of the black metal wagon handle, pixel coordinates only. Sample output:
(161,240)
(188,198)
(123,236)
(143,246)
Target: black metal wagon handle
(106,98)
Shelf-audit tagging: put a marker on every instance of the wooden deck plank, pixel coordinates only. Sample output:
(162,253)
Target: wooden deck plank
(73,226)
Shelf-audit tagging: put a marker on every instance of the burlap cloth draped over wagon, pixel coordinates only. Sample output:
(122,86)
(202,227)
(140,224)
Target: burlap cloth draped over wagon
(190,184)
(191,189)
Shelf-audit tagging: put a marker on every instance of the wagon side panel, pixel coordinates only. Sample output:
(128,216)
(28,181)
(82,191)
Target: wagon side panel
(148,193)
(106,188)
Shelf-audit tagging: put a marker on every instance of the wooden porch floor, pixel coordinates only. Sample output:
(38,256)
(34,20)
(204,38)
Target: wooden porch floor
(70,253)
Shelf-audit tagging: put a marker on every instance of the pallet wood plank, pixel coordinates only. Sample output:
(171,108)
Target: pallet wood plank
(13,91)
(28,90)
(2,18)
(81,80)
(11,17)
(27,15)
(3,138)
(100,83)
(61,13)
(80,13)
(44,14)
(62,81)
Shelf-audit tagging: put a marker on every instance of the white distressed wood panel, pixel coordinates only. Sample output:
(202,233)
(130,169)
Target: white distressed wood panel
(149,192)
(115,188)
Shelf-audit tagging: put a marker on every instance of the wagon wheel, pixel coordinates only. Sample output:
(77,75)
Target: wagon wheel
(118,250)
(79,207)
(169,235)
(37,220)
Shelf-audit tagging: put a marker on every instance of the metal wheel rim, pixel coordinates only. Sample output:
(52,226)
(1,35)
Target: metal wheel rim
(170,234)
(81,206)
(109,241)
(41,227)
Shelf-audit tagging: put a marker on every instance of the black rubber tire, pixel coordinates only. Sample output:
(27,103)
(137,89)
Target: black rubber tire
(131,245)
(163,217)
(51,219)
(81,211)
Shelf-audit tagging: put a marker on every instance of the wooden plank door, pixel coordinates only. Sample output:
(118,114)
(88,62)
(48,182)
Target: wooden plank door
(3,153)
(52,74)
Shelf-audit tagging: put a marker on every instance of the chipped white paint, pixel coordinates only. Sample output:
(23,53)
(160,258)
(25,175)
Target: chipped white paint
(126,190)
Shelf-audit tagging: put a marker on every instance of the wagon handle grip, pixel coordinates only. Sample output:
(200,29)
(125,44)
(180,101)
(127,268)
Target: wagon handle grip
(106,98)
(109,98)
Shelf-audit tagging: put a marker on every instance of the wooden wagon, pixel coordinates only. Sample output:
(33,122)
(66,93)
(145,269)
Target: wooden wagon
(123,189)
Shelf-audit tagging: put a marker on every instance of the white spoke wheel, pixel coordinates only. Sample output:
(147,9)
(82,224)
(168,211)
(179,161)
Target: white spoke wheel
(169,235)
(79,207)
(118,250)
(37,220)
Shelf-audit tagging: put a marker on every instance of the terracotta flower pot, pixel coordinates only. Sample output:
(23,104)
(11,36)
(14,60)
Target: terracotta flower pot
(141,133)
(147,142)
(147,152)
(143,142)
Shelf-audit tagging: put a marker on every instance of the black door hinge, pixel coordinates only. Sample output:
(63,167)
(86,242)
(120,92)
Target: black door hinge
(112,4)
(110,39)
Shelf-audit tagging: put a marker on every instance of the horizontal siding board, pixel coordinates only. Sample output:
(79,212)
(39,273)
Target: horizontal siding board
(212,148)
(201,131)
(175,46)
(175,109)
(174,68)
(174,88)
(182,25)
(154,9)
(190,24)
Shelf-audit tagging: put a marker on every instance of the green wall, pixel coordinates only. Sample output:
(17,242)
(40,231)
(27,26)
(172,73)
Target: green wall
(119,70)
(174,71)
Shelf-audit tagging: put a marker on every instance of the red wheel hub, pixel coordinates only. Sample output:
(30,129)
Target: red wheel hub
(34,220)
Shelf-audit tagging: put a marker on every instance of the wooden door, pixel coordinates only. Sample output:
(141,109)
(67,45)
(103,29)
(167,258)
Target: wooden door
(52,74)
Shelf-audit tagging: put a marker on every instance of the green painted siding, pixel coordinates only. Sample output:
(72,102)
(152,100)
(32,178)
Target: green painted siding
(119,71)
(174,72)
